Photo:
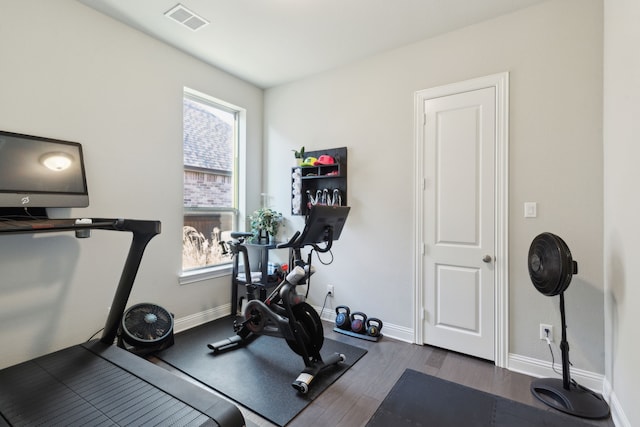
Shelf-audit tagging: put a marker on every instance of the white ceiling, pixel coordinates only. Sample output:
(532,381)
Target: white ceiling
(271,42)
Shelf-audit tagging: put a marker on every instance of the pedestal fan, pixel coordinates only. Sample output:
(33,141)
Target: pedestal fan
(551,268)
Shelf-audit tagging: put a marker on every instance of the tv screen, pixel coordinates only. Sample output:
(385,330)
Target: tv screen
(321,219)
(41,172)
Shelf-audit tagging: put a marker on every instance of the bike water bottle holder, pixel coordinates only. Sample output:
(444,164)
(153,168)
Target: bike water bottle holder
(296,275)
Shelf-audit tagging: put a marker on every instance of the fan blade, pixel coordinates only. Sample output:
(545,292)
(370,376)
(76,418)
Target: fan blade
(145,324)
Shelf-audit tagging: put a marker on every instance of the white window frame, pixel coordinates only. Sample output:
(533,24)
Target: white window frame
(221,270)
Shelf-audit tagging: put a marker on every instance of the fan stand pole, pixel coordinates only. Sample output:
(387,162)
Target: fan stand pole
(564,348)
(564,395)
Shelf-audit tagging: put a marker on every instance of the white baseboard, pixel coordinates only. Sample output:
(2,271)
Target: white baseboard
(399,333)
(617,413)
(593,381)
(196,319)
(542,369)
(523,364)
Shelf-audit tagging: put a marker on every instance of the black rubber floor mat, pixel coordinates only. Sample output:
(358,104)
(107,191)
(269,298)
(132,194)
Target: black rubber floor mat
(257,375)
(419,399)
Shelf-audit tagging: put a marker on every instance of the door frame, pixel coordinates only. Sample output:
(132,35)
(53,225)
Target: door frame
(500,82)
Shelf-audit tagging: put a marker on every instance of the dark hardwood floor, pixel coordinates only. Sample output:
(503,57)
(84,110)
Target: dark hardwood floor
(354,397)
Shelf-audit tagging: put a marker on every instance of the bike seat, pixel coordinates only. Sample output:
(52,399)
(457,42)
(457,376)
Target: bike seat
(240,234)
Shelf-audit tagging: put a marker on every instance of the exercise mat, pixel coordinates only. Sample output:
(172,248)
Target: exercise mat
(257,375)
(419,399)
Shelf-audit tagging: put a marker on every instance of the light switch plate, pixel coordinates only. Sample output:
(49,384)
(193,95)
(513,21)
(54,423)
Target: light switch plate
(530,209)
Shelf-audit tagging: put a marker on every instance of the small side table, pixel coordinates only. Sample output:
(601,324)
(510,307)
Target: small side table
(257,252)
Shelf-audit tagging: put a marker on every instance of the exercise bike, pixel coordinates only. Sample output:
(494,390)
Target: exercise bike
(284,313)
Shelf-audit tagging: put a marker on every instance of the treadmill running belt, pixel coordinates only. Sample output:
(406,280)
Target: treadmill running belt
(75,387)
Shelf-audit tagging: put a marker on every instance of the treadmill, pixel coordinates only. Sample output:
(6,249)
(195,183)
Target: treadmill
(97,383)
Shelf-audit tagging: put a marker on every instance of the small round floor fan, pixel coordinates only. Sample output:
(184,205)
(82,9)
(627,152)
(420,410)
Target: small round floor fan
(146,328)
(551,268)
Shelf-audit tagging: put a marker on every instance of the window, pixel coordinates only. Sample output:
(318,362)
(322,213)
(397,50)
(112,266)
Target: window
(210,147)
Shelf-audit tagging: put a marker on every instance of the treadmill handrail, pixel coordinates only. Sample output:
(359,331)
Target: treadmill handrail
(143,231)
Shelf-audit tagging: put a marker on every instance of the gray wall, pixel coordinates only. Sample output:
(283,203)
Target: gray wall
(553,52)
(69,72)
(621,226)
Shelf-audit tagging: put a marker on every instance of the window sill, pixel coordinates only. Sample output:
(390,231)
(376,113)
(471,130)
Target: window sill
(202,274)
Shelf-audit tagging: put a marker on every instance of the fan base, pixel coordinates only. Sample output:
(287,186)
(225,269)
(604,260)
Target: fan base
(578,400)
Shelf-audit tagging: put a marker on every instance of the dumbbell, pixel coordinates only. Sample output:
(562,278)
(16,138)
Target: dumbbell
(374,326)
(343,317)
(358,322)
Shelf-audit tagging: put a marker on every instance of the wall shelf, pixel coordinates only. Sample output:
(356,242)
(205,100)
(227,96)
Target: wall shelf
(309,182)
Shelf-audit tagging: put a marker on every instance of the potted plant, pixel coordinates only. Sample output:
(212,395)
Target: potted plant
(299,155)
(265,223)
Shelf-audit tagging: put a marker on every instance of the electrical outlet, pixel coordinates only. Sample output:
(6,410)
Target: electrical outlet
(543,331)
(330,290)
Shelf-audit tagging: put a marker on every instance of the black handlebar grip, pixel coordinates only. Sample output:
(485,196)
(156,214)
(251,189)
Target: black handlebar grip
(290,242)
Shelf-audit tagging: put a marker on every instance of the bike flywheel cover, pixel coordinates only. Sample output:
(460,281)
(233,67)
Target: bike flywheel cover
(311,324)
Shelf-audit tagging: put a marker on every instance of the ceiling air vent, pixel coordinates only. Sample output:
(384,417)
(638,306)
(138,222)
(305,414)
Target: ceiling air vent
(184,16)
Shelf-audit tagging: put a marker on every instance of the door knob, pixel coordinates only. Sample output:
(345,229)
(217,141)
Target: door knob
(487,258)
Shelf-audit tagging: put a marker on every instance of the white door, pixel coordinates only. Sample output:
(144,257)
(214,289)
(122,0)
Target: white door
(459,140)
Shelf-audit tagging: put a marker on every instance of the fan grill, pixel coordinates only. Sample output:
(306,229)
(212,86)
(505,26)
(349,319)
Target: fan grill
(550,264)
(146,324)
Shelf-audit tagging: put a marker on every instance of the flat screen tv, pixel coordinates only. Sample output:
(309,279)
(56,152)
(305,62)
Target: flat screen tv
(38,172)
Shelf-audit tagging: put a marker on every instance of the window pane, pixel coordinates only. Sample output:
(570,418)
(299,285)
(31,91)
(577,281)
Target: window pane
(210,206)
(209,148)
(207,189)
(201,239)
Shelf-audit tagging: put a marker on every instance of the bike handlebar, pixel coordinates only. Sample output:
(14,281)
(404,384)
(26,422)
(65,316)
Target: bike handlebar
(294,242)
(290,243)
(328,242)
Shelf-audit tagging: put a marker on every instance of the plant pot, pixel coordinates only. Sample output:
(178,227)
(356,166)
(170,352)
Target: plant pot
(263,236)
